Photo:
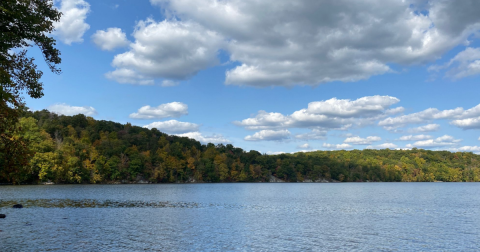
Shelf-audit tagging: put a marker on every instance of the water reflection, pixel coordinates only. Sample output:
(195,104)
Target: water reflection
(242,217)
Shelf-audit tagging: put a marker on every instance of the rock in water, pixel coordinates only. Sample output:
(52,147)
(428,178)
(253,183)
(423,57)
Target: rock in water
(2,216)
(18,206)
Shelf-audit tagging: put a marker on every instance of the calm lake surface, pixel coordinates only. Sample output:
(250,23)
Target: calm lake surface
(245,217)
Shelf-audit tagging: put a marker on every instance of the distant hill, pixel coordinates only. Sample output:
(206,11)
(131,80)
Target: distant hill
(80,149)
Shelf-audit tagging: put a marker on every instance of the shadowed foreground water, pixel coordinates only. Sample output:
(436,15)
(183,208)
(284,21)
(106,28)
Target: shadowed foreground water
(260,217)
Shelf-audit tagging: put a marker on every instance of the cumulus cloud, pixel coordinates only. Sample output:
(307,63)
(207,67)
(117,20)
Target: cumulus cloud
(442,141)
(465,63)
(362,107)
(466,119)
(383,146)
(425,128)
(110,39)
(72,25)
(387,145)
(362,141)
(474,149)
(469,119)
(275,152)
(315,134)
(304,146)
(420,117)
(64,109)
(172,109)
(215,139)
(269,135)
(169,49)
(468,123)
(415,137)
(330,114)
(128,76)
(265,120)
(173,127)
(337,146)
(311,42)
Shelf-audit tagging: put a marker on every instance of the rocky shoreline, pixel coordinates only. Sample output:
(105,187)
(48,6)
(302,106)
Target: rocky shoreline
(272,179)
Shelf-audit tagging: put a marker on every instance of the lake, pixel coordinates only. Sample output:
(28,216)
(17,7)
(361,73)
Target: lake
(242,217)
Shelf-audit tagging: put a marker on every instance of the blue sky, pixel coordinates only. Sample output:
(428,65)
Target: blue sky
(275,76)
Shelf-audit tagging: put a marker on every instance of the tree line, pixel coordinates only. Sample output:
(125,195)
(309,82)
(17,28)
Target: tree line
(80,149)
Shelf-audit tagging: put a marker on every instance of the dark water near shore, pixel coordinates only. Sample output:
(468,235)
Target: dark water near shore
(245,217)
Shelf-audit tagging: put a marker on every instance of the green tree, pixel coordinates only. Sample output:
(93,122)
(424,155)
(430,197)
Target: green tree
(22,23)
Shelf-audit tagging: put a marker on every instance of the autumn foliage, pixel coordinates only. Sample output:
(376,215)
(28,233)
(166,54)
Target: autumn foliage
(79,149)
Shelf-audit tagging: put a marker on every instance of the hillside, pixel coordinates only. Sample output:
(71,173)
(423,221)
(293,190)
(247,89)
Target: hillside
(79,149)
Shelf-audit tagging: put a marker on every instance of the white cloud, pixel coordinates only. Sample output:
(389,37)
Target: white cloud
(169,49)
(394,111)
(304,146)
(425,128)
(415,137)
(72,26)
(172,109)
(466,119)
(315,134)
(275,152)
(173,127)
(362,107)
(311,42)
(128,76)
(469,119)
(362,141)
(474,149)
(387,145)
(337,146)
(269,135)
(110,39)
(64,109)
(383,146)
(304,151)
(465,63)
(469,123)
(265,120)
(330,114)
(442,141)
(169,83)
(215,139)
(420,117)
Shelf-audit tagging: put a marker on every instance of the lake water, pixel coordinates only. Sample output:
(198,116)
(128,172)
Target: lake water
(242,217)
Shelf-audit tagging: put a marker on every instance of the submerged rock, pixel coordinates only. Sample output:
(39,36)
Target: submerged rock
(2,216)
(17,206)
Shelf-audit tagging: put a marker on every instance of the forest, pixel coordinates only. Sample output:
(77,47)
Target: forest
(80,149)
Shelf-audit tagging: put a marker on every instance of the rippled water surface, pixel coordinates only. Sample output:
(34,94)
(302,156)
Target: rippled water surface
(245,217)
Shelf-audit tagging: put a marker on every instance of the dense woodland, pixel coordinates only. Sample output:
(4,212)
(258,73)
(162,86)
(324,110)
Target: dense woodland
(80,149)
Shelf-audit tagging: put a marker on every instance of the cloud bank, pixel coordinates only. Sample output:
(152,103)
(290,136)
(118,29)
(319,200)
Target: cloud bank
(295,43)
(172,109)
(65,109)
